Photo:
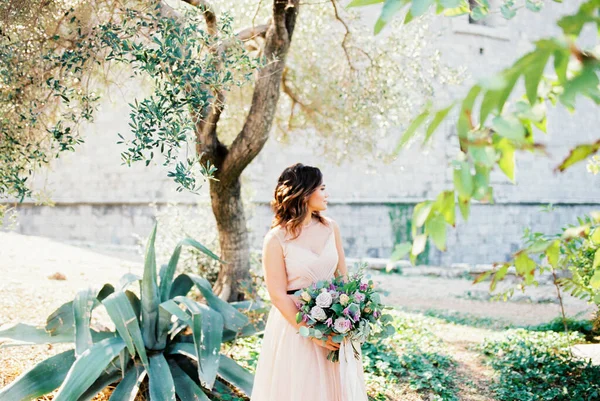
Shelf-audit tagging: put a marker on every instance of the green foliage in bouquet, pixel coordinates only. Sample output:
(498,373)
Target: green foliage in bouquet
(163,338)
(343,309)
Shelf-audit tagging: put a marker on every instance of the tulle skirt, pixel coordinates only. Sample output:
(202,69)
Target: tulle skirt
(293,368)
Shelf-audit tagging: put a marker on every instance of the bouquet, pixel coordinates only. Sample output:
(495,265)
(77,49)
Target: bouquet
(344,310)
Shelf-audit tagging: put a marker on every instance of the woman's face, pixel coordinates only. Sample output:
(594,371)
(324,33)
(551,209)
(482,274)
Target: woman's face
(317,201)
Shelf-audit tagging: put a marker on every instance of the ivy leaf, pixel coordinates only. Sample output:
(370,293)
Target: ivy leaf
(436,228)
(420,7)
(596,262)
(463,180)
(578,154)
(510,128)
(595,280)
(439,116)
(412,129)
(361,3)
(525,266)
(478,13)
(533,74)
(507,12)
(533,5)
(418,245)
(507,158)
(400,251)
(595,237)
(464,205)
(481,182)
(445,204)
(389,9)
(552,253)
(583,84)
(451,3)
(421,213)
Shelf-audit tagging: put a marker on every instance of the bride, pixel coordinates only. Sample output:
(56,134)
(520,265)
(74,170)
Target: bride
(301,248)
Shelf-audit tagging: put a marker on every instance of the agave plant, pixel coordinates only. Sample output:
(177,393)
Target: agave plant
(163,338)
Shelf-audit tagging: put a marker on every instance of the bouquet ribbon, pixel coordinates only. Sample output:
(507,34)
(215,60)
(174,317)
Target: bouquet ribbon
(351,372)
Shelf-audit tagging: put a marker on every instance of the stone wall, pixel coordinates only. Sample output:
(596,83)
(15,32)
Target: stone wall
(100,200)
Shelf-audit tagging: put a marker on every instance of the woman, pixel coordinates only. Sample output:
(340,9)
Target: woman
(301,248)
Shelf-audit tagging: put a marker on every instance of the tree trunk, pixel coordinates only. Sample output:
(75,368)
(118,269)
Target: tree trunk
(233,238)
(231,161)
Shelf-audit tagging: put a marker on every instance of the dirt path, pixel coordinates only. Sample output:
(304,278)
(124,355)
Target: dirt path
(422,293)
(473,378)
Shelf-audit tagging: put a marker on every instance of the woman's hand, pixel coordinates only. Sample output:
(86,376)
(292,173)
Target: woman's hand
(329,343)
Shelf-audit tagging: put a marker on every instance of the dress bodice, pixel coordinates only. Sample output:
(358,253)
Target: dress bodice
(310,257)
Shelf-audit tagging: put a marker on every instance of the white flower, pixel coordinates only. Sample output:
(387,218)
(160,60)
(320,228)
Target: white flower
(344,299)
(324,300)
(342,325)
(305,296)
(318,313)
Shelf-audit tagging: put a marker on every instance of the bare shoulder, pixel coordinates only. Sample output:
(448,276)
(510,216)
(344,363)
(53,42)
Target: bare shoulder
(333,223)
(272,237)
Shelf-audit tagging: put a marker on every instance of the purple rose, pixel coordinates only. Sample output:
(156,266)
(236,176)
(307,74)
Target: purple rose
(305,318)
(352,314)
(332,287)
(359,296)
(364,286)
(376,314)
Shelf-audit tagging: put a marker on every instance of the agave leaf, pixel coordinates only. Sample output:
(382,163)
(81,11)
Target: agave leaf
(150,298)
(126,322)
(62,319)
(43,378)
(128,388)
(166,277)
(181,286)
(207,330)
(185,387)
(166,310)
(109,376)
(88,367)
(233,319)
(250,305)
(233,373)
(24,334)
(135,302)
(249,330)
(161,383)
(124,359)
(82,313)
(127,279)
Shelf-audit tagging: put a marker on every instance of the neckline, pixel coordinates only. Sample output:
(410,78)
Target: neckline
(312,223)
(318,255)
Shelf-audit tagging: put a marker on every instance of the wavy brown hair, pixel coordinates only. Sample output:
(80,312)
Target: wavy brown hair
(290,204)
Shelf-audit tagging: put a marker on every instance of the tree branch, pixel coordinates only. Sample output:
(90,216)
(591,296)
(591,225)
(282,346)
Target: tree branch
(257,126)
(206,119)
(346,35)
(209,14)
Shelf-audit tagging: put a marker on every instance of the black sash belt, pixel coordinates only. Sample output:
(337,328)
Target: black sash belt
(291,292)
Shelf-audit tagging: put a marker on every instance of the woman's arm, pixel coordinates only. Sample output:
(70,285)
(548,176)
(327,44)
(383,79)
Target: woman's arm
(342,269)
(276,279)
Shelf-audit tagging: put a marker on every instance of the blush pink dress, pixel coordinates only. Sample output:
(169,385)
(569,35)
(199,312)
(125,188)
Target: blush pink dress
(291,367)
